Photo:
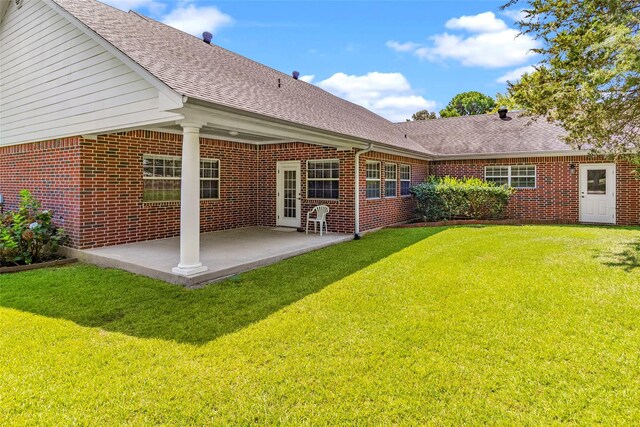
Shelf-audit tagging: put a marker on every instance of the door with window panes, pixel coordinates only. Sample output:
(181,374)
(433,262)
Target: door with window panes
(288,194)
(597,193)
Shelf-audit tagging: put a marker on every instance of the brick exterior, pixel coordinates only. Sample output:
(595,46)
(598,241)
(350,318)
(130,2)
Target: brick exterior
(95,186)
(51,171)
(556,197)
(112,207)
(341,216)
(376,213)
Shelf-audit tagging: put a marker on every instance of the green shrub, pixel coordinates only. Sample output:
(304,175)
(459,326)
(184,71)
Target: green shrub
(28,236)
(452,198)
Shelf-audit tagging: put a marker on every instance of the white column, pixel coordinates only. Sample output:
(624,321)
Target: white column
(190,203)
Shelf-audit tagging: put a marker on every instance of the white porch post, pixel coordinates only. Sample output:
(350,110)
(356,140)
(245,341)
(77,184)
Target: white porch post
(190,202)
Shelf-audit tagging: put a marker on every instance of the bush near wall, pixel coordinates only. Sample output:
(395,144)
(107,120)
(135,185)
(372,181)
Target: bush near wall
(27,235)
(453,198)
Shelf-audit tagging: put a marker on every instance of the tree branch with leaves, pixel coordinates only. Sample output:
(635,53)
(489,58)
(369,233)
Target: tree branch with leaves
(588,80)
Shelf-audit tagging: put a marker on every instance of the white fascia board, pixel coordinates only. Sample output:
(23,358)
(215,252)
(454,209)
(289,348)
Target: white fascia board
(204,134)
(168,97)
(512,155)
(403,153)
(280,130)
(257,125)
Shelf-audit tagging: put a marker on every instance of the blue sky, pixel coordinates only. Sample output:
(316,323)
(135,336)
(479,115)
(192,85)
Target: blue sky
(393,57)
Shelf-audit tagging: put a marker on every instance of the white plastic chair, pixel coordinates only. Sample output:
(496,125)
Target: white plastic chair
(321,218)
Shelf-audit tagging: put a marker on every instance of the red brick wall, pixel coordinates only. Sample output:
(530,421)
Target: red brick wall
(112,206)
(556,196)
(95,187)
(376,213)
(51,171)
(341,216)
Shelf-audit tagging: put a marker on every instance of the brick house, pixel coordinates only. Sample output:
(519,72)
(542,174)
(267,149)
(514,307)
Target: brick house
(131,130)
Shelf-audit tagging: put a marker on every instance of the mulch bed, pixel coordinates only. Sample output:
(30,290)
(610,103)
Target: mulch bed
(54,263)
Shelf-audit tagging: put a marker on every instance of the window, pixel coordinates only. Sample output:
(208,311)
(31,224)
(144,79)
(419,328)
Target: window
(514,176)
(323,179)
(373,180)
(405,180)
(162,174)
(597,181)
(209,179)
(390,180)
(161,178)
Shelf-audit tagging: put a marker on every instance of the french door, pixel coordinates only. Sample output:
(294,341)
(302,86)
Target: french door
(288,194)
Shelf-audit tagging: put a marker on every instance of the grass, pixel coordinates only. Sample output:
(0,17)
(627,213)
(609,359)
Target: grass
(477,325)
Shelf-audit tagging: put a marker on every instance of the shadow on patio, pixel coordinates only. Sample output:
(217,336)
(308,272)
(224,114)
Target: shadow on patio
(117,301)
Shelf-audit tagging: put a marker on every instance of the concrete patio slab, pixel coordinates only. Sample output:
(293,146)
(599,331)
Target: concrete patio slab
(224,252)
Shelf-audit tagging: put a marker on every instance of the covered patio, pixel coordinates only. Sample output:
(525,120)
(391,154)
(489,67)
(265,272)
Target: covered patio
(224,253)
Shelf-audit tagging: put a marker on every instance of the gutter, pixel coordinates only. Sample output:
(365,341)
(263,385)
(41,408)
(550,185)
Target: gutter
(356,227)
(507,155)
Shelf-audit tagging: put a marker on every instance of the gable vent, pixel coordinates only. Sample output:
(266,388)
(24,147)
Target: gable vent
(19,3)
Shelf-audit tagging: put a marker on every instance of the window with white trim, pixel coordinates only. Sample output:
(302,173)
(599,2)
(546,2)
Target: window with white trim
(162,175)
(405,180)
(209,179)
(373,180)
(323,179)
(390,180)
(520,176)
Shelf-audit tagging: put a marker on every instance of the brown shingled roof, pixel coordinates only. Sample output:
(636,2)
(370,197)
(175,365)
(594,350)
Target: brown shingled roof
(486,134)
(212,74)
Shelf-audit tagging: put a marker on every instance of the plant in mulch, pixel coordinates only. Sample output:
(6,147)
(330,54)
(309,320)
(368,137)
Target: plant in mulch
(28,236)
(466,198)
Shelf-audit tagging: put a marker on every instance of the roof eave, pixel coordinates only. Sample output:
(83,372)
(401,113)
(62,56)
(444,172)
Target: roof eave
(509,155)
(221,114)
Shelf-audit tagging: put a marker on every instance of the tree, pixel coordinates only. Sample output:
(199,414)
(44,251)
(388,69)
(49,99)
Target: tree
(505,100)
(468,104)
(589,78)
(423,115)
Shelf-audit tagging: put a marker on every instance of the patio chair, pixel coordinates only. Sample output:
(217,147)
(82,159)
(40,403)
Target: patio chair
(321,212)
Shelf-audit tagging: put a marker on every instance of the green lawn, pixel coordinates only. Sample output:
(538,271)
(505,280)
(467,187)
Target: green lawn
(478,325)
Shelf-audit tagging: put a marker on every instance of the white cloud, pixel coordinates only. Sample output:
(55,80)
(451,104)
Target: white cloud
(514,75)
(492,45)
(516,15)
(197,19)
(489,50)
(402,47)
(481,23)
(307,78)
(387,94)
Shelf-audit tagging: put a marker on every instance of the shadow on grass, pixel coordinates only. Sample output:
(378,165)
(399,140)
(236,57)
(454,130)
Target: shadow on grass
(628,259)
(138,306)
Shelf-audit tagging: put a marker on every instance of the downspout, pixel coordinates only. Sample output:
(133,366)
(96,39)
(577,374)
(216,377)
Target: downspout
(356,227)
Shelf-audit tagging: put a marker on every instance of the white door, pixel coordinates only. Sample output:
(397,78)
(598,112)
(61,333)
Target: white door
(288,194)
(598,193)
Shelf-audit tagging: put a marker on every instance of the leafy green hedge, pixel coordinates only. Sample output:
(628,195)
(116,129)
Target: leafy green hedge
(28,236)
(452,198)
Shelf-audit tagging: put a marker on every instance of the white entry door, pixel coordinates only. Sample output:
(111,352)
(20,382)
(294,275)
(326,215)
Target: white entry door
(598,193)
(288,194)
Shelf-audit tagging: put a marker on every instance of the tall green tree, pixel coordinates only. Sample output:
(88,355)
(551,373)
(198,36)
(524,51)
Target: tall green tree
(468,104)
(588,80)
(505,100)
(423,115)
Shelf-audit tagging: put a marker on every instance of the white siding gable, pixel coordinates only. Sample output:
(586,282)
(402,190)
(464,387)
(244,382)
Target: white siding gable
(56,81)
